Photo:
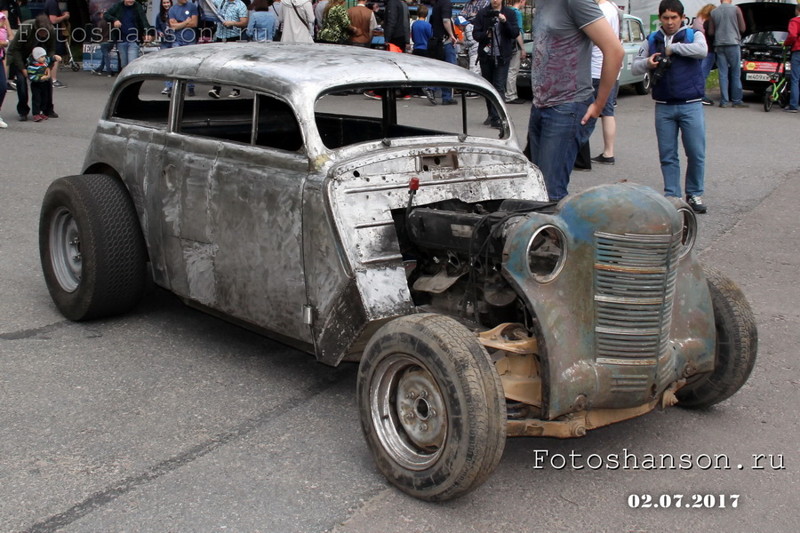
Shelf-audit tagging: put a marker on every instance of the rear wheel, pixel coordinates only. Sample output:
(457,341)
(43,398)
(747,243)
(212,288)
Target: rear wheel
(432,407)
(91,247)
(735,349)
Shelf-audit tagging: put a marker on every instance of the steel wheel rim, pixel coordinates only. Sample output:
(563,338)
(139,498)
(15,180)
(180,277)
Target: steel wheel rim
(65,250)
(408,412)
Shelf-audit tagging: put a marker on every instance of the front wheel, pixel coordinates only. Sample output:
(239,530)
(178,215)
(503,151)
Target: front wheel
(768,101)
(643,87)
(432,406)
(735,349)
(91,247)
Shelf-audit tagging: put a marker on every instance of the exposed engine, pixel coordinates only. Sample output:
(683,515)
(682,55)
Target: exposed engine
(454,254)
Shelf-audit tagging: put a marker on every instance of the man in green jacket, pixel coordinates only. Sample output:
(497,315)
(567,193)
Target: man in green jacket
(129,28)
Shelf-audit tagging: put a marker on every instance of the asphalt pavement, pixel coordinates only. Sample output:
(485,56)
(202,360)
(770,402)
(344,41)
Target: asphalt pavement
(167,419)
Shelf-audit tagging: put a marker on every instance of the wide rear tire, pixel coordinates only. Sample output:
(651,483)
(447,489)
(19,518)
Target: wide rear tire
(735,349)
(432,406)
(91,247)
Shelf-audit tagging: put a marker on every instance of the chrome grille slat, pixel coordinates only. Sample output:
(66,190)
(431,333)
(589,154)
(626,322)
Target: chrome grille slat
(634,280)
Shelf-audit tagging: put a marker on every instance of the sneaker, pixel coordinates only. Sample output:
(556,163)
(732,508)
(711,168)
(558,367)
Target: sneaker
(372,95)
(487,121)
(790,110)
(191,91)
(516,101)
(213,93)
(97,73)
(449,102)
(696,203)
(741,105)
(12,85)
(496,124)
(234,93)
(3,124)
(23,118)
(166,91)
(725,104)
(51,114)
(707,101)
(38,118)
(604,160)
(58,85)
(405,97)
(471,95)
(430,95)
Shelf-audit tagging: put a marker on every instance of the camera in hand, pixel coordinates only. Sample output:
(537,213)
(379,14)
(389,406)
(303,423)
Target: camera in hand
(662,65)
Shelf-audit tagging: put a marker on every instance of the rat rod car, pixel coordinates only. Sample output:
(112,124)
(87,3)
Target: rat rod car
(407,237)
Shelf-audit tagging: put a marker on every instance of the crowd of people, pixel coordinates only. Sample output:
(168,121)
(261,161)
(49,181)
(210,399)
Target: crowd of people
(573,79)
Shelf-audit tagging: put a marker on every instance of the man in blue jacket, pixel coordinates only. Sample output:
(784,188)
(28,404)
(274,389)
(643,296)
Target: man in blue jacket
(674,55)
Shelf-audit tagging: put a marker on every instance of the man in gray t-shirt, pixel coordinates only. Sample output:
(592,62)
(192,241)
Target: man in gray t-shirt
(561,79)
(726,25)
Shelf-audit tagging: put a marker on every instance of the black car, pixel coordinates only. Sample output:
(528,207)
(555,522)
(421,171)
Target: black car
(762,43)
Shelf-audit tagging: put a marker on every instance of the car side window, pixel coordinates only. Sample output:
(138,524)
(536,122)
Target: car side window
(141,101)
(226,113)
(637,33)
(277,125)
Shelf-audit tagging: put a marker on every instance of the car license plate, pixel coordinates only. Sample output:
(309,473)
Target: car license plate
(756,76)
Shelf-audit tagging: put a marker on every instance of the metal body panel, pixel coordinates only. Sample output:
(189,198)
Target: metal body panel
(233,231)
(356,270)
(576,376)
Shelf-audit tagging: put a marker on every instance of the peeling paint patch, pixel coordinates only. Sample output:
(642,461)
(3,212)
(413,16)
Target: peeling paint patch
(199,260)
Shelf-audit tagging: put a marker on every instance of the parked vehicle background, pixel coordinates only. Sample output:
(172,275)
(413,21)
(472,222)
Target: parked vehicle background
(762,43)
(633,35)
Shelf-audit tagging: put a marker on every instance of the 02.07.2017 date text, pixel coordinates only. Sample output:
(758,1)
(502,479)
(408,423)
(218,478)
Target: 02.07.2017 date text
(683,501)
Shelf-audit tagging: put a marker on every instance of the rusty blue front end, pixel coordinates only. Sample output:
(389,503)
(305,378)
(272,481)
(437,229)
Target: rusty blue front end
(628,311)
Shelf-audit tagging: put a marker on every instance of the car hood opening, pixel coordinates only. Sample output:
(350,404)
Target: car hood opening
(763,16)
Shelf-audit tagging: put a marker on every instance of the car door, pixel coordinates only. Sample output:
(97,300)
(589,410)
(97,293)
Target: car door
(233,177)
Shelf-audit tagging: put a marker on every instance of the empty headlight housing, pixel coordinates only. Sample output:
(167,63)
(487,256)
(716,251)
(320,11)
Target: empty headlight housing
(689,230)
(547,251)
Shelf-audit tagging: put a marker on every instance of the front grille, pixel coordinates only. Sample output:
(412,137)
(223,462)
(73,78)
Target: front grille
(634,278)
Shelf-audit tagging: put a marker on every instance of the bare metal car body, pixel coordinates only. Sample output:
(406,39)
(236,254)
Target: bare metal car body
(299,221)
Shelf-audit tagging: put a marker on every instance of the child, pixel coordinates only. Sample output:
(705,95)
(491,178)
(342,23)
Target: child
(41,86)
(421,31)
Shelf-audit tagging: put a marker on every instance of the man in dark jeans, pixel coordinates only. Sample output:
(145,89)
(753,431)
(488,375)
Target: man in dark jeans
(31,33)
(57,19)
(496,30)
(442,44)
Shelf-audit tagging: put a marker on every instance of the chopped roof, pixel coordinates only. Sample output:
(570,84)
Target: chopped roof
(316,67)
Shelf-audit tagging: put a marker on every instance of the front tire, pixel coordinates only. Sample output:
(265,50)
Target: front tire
(432,407)
(735,349)
(768,101)
(91,247)
(643,87)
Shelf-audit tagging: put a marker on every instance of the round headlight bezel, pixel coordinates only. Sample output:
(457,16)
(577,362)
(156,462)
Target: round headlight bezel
(688,230)
(547,273)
